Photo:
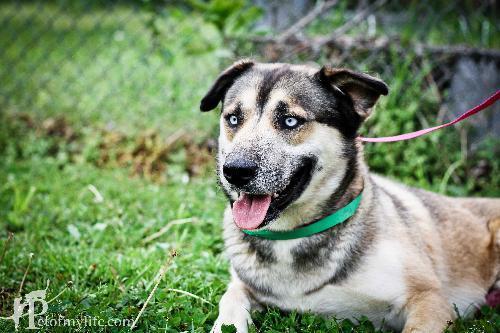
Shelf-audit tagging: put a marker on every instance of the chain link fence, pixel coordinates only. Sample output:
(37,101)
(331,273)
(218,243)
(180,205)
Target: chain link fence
(66,57)
(142,64)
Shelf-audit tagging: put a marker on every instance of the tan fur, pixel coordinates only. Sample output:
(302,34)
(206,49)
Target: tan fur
(465,237)
(427,311)
(494,246)
(301,136)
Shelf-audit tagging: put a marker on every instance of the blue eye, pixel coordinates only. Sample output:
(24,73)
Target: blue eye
(290,122)
(233,120)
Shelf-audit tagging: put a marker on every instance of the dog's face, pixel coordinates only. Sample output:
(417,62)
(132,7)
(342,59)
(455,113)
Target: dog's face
(287,137)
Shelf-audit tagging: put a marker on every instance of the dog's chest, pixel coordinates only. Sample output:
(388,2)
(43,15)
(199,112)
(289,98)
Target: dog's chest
(273,269)
(277,276)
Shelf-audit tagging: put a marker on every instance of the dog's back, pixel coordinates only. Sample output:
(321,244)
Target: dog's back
(469,235)
(488,208)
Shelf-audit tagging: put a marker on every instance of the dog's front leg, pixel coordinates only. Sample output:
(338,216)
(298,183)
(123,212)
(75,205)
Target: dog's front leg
(234,308)
(427,312)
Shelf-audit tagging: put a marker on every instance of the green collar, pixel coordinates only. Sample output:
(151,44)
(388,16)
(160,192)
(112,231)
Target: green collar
(325,223)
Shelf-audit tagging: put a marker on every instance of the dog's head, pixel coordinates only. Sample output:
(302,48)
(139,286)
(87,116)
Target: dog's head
(287,134)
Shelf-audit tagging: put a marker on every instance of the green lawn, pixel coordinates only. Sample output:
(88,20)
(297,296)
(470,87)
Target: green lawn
(102,146)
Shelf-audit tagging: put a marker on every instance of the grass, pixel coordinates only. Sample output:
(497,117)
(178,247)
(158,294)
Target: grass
(99,245)
(90,94)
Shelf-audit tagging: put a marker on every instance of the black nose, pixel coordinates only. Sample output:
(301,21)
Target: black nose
(239,172)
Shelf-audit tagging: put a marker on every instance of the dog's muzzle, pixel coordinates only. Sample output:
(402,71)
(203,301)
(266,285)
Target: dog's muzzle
(239,172)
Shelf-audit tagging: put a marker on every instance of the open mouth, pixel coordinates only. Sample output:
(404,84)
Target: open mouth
(253,211)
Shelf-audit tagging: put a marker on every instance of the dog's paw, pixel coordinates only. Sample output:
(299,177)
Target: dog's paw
(240,319)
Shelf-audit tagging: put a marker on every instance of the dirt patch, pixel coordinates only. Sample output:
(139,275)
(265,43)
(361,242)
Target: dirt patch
(147,154)
(198,156)
(56,127)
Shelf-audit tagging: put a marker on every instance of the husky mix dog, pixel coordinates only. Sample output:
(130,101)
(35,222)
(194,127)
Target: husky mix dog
(289,157)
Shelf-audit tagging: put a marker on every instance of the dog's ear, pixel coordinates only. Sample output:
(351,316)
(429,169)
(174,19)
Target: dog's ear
(364,90)
(222,84)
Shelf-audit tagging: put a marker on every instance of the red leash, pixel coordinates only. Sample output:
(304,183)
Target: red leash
(407,136)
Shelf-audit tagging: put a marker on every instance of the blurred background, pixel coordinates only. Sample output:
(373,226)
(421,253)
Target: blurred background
(106,160)
(113,72)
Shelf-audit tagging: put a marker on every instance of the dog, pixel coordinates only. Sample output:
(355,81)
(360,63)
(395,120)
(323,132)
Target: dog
(288,157)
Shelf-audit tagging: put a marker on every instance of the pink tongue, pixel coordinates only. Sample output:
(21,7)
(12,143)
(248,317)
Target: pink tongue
(249,210)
